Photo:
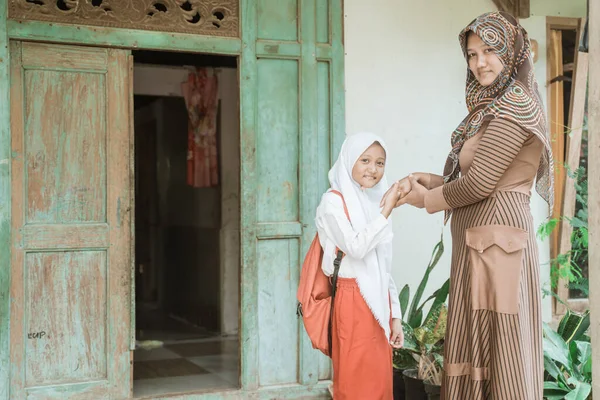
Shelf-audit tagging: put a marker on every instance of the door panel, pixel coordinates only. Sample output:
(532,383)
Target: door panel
(71,256)
(292,124)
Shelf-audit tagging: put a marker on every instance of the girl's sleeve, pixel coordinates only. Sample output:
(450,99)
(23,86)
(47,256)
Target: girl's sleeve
(396,312)
(339,230)
(498,147)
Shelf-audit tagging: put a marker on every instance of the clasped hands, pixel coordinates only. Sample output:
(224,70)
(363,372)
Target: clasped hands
(409,190)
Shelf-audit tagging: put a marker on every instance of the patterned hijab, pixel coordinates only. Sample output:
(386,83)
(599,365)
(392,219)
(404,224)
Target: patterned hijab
(513,96)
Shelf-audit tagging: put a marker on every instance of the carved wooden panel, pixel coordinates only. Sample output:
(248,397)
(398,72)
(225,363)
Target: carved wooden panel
(205,17)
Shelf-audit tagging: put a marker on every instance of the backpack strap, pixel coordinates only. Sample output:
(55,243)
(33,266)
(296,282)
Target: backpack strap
(336,269)
(343,201)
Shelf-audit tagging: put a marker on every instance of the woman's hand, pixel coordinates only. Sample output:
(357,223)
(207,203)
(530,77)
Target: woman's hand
(416,197)
(402,187)
(397,337)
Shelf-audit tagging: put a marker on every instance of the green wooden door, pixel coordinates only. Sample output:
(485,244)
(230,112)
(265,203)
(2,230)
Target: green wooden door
(292,125)
(70,275)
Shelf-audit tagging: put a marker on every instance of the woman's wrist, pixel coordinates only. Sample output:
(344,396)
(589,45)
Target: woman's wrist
(424,178)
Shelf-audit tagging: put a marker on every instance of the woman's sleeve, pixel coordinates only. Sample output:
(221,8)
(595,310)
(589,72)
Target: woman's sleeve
(339,230)
(499,145)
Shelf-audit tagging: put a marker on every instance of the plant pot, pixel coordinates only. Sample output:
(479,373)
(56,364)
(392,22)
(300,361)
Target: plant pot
(414,388)
(398,385)
(433,391)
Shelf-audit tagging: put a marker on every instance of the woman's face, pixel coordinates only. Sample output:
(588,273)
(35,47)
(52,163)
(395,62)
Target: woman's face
(370,166)
(483,61)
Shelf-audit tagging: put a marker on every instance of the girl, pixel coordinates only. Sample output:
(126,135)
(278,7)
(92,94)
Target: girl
(366,316)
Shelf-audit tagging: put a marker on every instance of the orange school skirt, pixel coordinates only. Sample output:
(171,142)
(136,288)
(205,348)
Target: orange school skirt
(361,354)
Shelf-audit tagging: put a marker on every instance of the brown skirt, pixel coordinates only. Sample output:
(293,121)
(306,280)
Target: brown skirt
(362,355)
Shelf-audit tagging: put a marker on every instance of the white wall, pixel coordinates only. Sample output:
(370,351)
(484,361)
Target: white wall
(405,80)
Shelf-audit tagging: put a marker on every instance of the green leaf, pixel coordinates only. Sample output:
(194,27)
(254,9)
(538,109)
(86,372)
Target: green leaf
(577,223)
(438,250)
(584,357)
(403,359)
(573,326)
(404,298)
(555,347)
(553,391)
(410,344)
(441,295)
(416,319)
(581,392)
(433,329)
(554,371)
(545,229)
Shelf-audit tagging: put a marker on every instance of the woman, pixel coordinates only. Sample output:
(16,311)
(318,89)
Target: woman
(366,314)
(493,346)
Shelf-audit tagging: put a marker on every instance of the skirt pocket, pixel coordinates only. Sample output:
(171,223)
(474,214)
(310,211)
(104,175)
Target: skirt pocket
(496,255)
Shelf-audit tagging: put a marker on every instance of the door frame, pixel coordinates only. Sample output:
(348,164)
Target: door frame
(248,48)
(554,94)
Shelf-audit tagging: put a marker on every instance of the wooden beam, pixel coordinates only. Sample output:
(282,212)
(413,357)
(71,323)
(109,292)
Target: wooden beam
(575,126)
(557,127)
(518,8)
(524,8)
(554,28)
(5,205)
(594,186)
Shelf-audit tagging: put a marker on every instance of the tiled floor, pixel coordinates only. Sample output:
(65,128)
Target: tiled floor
(187,366)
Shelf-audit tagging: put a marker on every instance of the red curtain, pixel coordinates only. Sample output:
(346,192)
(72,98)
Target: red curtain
(201,99)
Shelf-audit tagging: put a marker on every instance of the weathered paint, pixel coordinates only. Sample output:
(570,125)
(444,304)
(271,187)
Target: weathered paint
(124,38)
(338,91)
(277,327)
(278,20)
(70,222)
(309,156)
(248,277)
(324,127)
(65,300)
(277,140)
(5,205)
(323,21)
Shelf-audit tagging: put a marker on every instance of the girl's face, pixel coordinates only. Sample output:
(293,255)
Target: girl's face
(370,166)
(483,61)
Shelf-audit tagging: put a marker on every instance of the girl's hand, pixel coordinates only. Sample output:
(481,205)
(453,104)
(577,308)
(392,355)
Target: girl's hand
(402,186)
(397,337)
(391,199)
(416,197)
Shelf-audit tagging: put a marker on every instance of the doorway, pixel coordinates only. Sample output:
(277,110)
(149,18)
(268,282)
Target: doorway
(187,252)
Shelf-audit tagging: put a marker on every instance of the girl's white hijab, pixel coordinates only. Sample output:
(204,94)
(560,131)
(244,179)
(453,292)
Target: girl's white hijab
(363,207)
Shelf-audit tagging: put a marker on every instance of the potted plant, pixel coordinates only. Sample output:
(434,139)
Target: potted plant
(426,343)
(407,359)
(568,358)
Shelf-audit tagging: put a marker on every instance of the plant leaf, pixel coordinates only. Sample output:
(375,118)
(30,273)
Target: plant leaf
(554,371)
(404,297)
(438,250)
(581,392)
(584,357)
(553,391)
(572,326)
(441,295)
(545,229)
(556,349)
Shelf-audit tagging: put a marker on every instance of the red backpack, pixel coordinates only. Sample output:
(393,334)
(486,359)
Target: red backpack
(316,293)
